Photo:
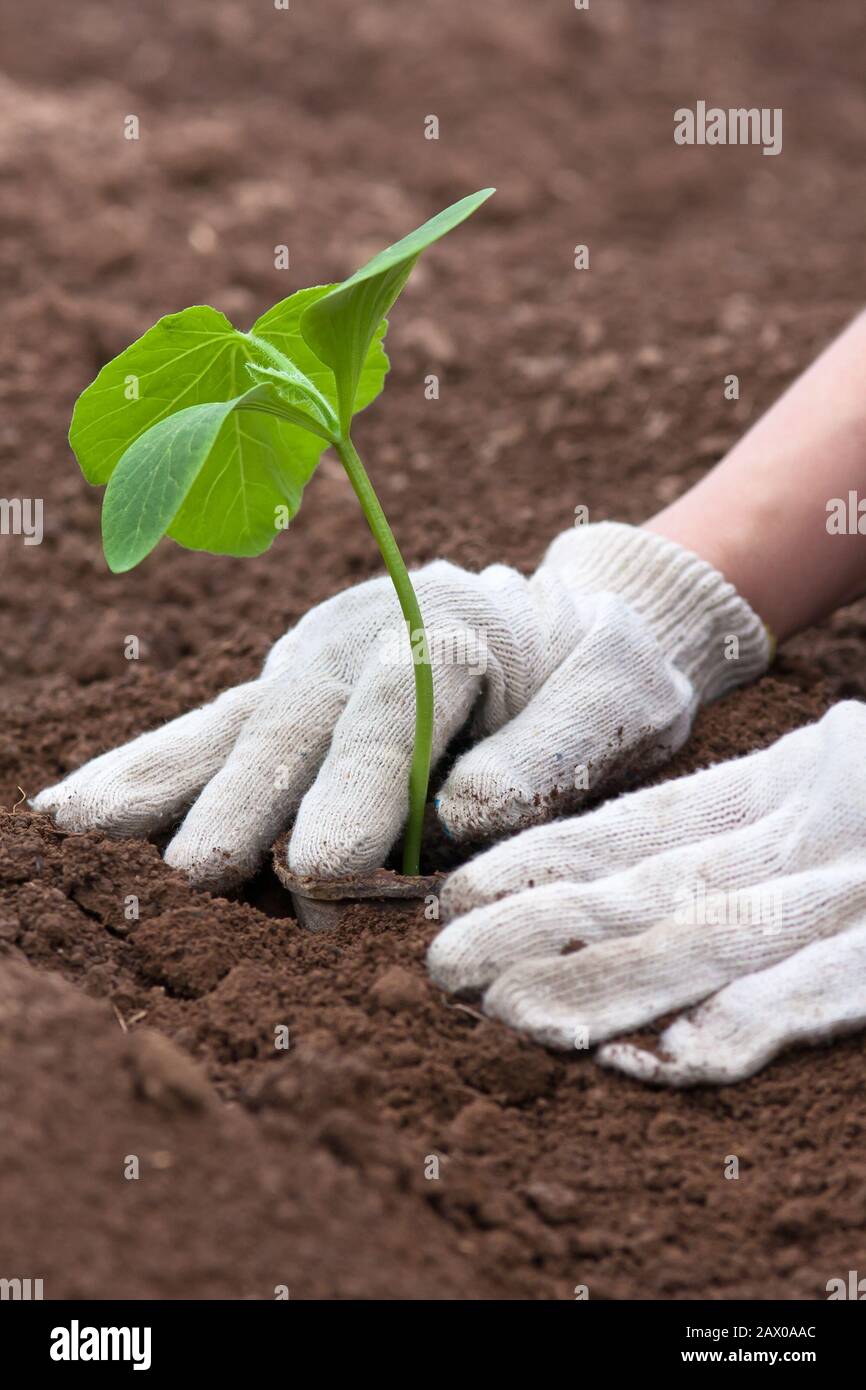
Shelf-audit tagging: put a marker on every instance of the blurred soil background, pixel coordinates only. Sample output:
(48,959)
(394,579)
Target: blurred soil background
(305,127)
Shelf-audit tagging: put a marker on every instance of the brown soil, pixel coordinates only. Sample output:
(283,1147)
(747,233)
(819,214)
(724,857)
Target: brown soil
(306,1168)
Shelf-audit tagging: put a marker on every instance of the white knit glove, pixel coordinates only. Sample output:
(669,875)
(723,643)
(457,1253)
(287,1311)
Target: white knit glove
(748,878)
(598,661)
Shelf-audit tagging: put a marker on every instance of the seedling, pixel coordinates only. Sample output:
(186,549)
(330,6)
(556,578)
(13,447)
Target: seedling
(209,435)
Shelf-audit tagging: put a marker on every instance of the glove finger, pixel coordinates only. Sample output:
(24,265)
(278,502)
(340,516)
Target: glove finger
(816,994)
(255,793)
(691,812)
(477,947)
(144,785)
(579,1000)
(355,809)
(619,984)
(722,879)
(469,953)
(614,705)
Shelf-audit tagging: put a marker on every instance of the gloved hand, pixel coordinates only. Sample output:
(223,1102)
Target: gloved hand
(598,661)
(745,882)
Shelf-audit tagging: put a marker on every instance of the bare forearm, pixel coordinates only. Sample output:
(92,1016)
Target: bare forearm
(760,516)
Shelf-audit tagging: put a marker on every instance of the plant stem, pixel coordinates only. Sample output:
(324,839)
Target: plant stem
(419,775)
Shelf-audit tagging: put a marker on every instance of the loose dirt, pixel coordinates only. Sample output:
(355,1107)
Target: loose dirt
(154,1040)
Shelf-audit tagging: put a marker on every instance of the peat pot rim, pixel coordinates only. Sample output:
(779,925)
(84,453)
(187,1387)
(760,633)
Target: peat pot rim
(317,900)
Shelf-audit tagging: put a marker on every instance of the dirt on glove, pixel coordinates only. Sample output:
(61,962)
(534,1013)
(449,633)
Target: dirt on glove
(200,1099)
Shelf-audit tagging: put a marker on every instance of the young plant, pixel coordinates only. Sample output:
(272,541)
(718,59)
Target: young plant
(209,435)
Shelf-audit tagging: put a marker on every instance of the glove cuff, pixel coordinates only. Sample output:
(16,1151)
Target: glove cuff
(708,631)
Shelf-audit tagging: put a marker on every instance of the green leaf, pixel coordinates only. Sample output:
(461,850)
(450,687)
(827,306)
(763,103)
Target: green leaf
(281,328)
(186,359)
(148,489)
(339,325)
(264,451)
